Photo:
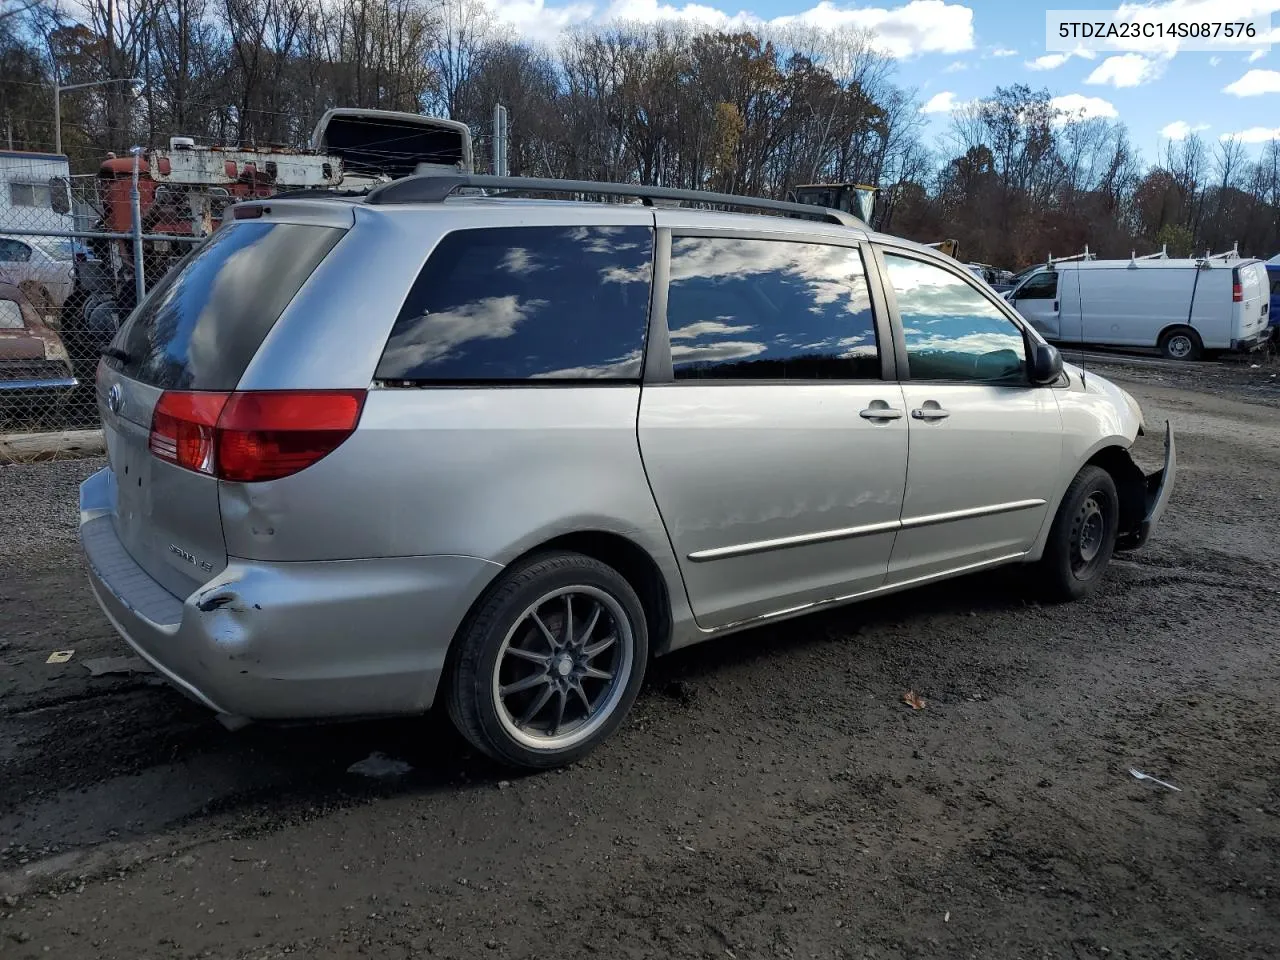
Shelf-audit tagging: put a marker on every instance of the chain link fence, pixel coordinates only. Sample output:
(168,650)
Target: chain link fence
(76,254)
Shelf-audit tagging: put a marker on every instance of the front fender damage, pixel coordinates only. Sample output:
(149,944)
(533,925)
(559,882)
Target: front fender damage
(1143,497)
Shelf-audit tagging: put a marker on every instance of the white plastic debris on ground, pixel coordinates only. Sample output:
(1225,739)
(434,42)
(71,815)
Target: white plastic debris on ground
(380,766)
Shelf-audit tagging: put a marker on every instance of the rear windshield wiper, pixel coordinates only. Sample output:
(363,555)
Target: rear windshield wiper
(115,353)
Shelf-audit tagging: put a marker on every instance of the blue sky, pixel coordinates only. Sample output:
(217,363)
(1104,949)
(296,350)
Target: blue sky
(951,52)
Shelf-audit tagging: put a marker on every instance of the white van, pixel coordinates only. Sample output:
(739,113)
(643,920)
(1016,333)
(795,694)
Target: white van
(1184,307)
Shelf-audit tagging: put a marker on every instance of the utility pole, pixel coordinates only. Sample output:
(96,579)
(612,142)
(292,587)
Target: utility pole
(57,103)
(501,167)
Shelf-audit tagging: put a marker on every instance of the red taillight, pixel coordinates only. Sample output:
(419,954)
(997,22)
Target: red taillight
(183,426)
(1237,293)
(252,436)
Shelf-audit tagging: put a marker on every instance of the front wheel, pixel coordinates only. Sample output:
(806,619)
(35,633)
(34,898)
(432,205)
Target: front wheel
(1083,536)
(550,662)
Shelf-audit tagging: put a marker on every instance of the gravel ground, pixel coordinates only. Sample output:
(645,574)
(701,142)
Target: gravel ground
(771,795)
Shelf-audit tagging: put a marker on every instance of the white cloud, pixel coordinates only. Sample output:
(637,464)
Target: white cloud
(1004,52)
(1255,83)
(956,66)
(1256,56)
(1050,61)
(1214,61)
(1180,130)
(1254,135)
(944,102)
(651,11)
(1127,70)
(915,27)
(1076,106)
(534,20)
(920,26)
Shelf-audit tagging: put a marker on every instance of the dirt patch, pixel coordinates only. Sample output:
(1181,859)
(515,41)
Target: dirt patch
(770,796)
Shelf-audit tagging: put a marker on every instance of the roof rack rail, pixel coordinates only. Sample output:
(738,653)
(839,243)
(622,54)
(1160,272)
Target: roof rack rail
(307,193)
(429,188)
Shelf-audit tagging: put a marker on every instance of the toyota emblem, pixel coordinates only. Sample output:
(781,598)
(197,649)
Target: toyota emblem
(115,398)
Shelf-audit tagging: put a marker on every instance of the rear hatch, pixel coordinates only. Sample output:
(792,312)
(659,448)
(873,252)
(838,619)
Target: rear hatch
(187,346)
(1252,298)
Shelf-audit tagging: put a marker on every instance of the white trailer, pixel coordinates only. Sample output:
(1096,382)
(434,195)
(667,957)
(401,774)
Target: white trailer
(35,192)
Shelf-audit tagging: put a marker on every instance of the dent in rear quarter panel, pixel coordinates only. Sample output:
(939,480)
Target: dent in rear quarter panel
(478,472)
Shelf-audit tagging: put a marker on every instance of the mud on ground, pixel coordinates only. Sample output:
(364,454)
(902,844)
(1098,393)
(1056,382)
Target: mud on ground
(770,796)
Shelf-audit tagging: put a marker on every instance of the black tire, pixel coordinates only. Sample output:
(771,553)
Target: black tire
(1074,560)
(1181,343)
(479,661)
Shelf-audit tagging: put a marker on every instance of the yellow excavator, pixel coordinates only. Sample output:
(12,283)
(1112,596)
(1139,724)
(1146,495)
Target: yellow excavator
(858,199)
(950,247)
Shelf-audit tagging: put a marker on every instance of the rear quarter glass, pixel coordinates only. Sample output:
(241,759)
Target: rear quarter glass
(201,325)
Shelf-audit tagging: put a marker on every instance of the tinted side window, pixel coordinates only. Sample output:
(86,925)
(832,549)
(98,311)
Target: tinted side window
(769,310)
(952,331)
(1043,286)
(526,303)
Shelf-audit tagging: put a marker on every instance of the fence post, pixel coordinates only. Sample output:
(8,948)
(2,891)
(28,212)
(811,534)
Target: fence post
(135,207)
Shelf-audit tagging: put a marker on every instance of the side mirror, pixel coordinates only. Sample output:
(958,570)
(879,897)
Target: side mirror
(1046,363)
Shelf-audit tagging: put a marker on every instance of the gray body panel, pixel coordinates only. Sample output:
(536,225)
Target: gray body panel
(790,494)
(338,590)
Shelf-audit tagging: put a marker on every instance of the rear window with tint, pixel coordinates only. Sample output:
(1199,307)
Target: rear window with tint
(203,322)
(526,304)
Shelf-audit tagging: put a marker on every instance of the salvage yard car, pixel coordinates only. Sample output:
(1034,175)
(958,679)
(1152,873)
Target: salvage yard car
(42,268)
(35,373)
(372,454)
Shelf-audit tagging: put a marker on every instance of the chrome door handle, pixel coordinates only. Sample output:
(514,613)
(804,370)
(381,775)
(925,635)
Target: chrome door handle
(880,413)
(929,413)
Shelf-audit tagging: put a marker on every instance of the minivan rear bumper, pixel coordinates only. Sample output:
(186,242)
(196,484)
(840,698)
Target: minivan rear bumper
(305,640)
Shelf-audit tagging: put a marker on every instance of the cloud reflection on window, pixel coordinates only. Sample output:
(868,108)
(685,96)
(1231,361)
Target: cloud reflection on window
(952,331)
(526,303)
(432,338)
(805,305)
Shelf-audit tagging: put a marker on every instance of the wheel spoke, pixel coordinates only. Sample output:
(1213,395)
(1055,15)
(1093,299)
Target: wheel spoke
(531,655)
(589,629)
(594,674)
(599,647)
(528,683)
(582,695)
(527,717)
(568,620)
(550,637)
(559,714)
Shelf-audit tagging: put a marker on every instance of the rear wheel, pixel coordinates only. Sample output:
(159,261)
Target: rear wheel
(549,664)
(1181,343)
(1083,536)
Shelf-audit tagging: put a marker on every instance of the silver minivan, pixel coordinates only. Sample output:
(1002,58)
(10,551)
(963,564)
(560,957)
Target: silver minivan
(367,455)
